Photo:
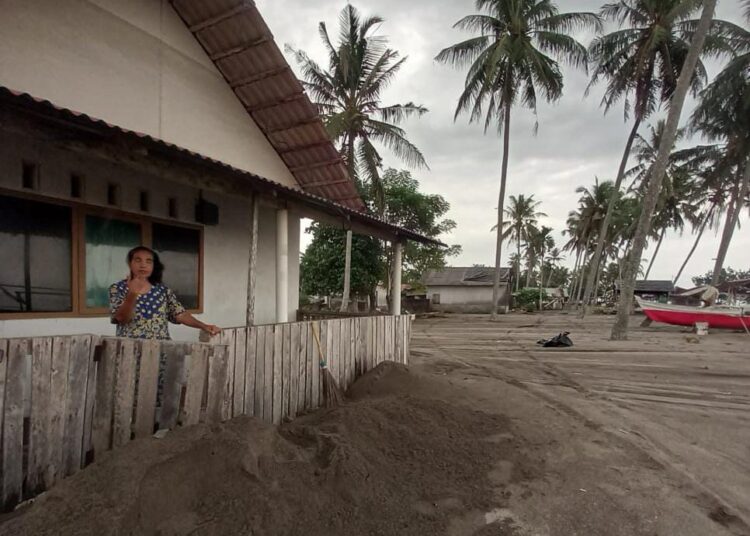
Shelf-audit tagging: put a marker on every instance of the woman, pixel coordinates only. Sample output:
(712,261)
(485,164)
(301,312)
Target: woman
(142,306)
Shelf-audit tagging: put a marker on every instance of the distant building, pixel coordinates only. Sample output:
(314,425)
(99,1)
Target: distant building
(651,289)
(466,290)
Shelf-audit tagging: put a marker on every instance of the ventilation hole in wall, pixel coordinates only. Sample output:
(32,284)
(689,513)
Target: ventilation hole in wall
(76,186)
(29,174)
(144,201)
(113,194)
(172,207)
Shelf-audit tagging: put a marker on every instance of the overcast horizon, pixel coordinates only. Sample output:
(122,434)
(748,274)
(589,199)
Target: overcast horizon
(575,142)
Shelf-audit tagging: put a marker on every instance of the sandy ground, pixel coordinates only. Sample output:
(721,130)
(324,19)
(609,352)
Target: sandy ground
(648,436)
(484,434)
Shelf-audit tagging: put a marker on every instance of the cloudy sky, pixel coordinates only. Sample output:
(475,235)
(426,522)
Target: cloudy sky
(574,144)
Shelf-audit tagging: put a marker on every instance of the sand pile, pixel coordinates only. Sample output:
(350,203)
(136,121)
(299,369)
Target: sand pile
(394,459)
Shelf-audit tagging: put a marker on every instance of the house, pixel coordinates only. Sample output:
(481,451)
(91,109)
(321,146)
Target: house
(651,289)
(175,124)
(466,290)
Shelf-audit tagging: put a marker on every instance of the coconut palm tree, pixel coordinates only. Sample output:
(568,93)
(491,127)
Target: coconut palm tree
(513,59)
(651,197)
(723,115)
(348,94)
(521,219)
(676,202)
(640,64)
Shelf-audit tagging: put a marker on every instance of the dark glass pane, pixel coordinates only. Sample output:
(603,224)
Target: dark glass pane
(107,245)
(179,250)
(35,243)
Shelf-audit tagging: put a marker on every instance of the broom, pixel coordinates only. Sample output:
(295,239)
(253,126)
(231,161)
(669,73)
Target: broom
(331,393)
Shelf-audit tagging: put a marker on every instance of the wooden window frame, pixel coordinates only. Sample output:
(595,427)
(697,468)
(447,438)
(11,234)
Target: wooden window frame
(79,211)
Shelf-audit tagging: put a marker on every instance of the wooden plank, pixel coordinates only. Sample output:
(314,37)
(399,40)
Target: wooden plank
(312,366)
(58,394)
(228,338)
(278,348)
(105,387)
(360,348)
(302,369)
(195,383)
(319,354)
(286,362)
(260,370)
(124,395)
(251,342)
(38,447)
(148,354)
(87,448)
(294,371)
(218,363)
(407,344)
(17,391)
(75,407)
(268,375)
(175,375)
(3,385)
(346,352)
(335,348)
(381,339)
(354,323)
(240,359)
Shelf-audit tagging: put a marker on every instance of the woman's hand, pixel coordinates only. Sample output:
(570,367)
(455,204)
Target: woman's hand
(212,330)
(138,285)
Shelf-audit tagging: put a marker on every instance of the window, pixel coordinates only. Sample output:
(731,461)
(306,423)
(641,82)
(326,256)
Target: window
(29,175)
(144,201)
(172,207)
(113,194)
(61,258)
(76,186)
(36,244)
(436,299)
(107,242)
(179,251)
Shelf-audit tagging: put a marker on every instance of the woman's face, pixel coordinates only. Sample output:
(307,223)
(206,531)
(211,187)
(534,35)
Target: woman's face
(142,264)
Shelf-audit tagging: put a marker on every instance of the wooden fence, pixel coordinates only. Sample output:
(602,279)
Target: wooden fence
(65,399)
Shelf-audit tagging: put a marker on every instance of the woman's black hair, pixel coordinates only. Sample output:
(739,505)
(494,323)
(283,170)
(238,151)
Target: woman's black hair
(158,271)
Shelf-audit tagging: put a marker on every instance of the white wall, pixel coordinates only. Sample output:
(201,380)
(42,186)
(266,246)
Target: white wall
(134,64)
(226,246)
(465,298)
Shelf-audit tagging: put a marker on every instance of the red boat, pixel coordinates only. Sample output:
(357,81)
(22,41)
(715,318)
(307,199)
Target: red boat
(716,316)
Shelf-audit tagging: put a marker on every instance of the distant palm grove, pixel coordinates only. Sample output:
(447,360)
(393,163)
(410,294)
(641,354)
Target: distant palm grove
(645,55)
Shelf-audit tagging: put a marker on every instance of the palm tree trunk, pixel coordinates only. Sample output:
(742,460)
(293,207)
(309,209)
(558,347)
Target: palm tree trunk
(348,249)
(541,272)
(599,277)
(574,279)
(695,244)
(528,274)
(594,266)
(581,276)
(656,252)
(500,208)
(549,276)
(347,272)
(656,177)
(735,208)
(518,266)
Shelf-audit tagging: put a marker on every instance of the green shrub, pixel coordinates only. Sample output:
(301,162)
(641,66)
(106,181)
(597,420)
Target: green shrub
(528,299)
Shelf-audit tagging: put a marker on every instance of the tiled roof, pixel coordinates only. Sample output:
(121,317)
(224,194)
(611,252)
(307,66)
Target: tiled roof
(238,41)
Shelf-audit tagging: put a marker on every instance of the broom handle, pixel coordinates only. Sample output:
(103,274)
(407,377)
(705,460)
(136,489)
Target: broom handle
(317,341)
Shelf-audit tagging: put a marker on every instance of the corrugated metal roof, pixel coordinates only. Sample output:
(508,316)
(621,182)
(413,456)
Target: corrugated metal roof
(651,285)
(472,276)
(238,41)
(91,126)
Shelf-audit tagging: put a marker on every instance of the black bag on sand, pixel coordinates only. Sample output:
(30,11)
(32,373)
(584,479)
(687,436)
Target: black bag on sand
(558,341)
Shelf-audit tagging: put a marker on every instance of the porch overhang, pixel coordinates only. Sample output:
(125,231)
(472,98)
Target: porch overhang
(78,132)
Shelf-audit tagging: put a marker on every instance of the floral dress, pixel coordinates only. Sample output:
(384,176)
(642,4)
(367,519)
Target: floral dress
(153,311)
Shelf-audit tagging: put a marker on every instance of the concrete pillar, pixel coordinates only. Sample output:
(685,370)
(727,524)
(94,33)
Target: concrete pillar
(396,279)
(282,265)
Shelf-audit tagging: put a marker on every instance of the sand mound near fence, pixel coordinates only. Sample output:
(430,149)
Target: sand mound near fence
(394,459)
